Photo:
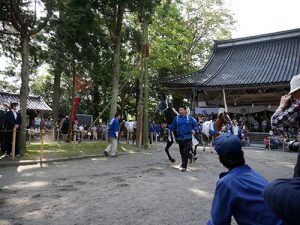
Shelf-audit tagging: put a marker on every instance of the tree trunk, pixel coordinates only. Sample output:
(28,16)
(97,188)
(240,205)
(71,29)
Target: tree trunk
(123,100)
(73,68)
(56,94)
(140,108)
(24,91)
(96,101)
(116,63)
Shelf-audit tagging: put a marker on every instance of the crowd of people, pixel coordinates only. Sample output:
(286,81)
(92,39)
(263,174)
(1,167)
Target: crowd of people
(10,120)
(240,192)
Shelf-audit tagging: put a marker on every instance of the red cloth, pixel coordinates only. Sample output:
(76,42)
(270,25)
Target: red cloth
(75,108)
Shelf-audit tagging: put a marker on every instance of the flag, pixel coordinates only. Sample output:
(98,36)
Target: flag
(75,108)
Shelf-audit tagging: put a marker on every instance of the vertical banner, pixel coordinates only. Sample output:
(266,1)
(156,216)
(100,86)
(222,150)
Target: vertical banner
(75,108)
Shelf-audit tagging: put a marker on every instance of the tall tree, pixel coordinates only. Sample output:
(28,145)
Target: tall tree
(113,12)
(182,35)
(21,19)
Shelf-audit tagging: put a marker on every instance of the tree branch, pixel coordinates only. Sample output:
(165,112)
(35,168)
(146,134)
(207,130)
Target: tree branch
(9,33)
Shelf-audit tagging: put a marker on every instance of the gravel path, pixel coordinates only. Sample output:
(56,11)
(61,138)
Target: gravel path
(139,188)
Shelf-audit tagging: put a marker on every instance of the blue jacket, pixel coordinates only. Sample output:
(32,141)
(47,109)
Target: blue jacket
(114,127)
(283,197)
(239,194)
(183,125)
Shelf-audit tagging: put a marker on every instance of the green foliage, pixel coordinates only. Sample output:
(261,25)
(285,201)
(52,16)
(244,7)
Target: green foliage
(53,150)
(80,40)
(7,87)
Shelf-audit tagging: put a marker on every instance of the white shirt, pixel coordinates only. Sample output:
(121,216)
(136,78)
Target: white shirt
(15,114)
(235,130)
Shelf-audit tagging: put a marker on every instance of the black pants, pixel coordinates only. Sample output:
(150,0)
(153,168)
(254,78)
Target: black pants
(297,166)
(185,147)
(2,140)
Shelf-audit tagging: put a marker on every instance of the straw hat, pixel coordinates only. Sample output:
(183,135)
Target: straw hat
(295,83)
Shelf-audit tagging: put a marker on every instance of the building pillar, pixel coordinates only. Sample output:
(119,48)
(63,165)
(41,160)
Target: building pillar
(194,101)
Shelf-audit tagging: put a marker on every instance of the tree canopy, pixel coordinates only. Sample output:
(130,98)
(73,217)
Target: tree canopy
(88,45)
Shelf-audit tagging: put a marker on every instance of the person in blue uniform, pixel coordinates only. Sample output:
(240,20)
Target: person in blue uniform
(113,134)
(283,198)
(239,191)
(184,126)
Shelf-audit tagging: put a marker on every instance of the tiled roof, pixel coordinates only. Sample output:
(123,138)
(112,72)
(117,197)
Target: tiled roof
(258,61)
(33,102)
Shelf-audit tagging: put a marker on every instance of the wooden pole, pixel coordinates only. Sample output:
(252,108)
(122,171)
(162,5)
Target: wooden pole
(127,136)
(106,134)
(58,136)
(42,144)
(29,131)
(74,141)
(13,150)
(155,140)
(54,134)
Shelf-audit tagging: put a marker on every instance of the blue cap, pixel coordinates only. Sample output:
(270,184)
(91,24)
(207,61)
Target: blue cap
(227,142)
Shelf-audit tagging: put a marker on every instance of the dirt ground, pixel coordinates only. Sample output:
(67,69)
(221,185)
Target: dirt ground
(139,188)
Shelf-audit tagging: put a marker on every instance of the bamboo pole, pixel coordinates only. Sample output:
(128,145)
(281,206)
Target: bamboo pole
(58,136)
(155,140)
(127,136)
(106,134)
(74,141)
(105,108)
(29,131)
(54,134)
(42,132)
(13,150)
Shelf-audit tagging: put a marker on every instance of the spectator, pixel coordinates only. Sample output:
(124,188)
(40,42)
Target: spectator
(65,128)
(239,191)
(3,137)
(264,125)
(3,113)
(152,132)
(235,129)
(37,121)
(56,130)
(13,120)
(94,130)
(283,198)
(103,131)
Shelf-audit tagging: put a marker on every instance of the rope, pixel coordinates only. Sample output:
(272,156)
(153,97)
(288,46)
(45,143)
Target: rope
(101,113)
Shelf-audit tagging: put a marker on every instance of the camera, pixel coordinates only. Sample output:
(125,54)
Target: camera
(293,146)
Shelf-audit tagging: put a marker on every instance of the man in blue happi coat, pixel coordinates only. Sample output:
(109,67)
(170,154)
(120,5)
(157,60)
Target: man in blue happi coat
(239,191)
(184,126)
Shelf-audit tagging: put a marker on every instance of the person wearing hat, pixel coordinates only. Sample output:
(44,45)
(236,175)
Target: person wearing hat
(239,191)
(3,111)
(283,195)
(287,114)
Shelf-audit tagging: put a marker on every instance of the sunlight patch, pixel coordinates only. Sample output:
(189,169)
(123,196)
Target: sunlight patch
(18,201)
(28,167)
(201,193)
(22,185)
(5,222)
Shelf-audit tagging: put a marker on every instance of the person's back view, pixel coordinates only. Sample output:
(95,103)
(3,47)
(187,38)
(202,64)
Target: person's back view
(239,191)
